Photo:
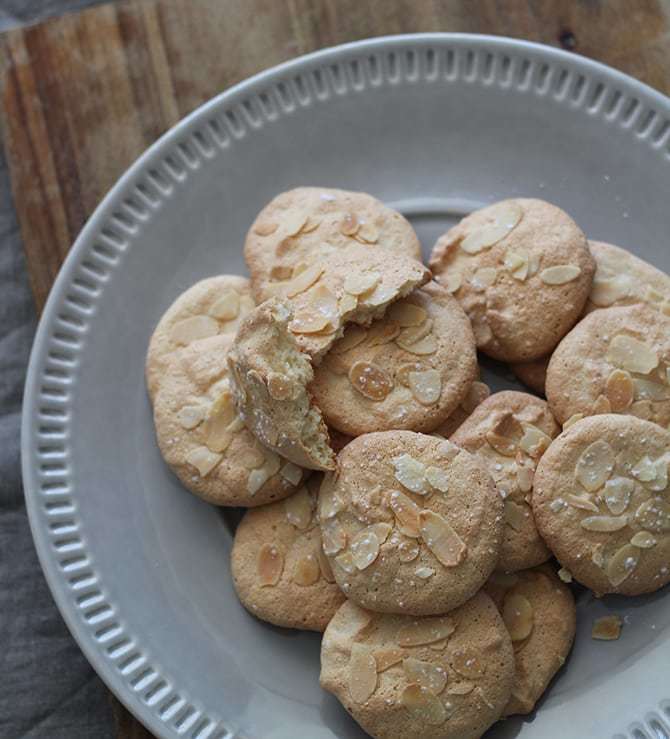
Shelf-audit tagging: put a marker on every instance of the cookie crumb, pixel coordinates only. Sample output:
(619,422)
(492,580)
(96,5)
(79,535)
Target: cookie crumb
(607,628)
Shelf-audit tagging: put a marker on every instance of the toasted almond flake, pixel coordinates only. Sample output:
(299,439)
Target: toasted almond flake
(304,280)
(642,409)
(581,501)
(534,441)
(359,283)
(437,478)
(346,304)
(402,373)
(649,390)
(353,336)
(601,405)
(607,290)
(265,228)
(324,566)
(382,332)
(607,628)
(423,705)
(346,562)
(426,674)
(423,347)
(406,512)
(604,523)
(619,390)
(461,688)
(190,416)
(333,536)
(291,472)
(426,386)
(654,515)
(643,540)
(227,307)
(622,564)
(501,444)
(293,222)
(515,260)
(371,381)
(660,481)
(597,556)
(507,213)
(364,548)
(251,457)
(483,238)
(644,470)
(564,575)
(368,233)
(516,516)
(410,473)
(269,565)
(524,478)
(362,673)
(533,264)
(298,509)
(440,537)
(466,663)
(329,502)
(595,465)
(618,491)
(451,281)
(308,323)
(257,478)
(572,420)
(408,551)
(424,572)
(483,277)
(203,460)
(631,354)
(517,613)
(311,224)
(306,571)
(412,334)
(386,658)
(349,224)
(557,505)
(192,329)
(407,314)
(426,630)
(280,386)
(560,274)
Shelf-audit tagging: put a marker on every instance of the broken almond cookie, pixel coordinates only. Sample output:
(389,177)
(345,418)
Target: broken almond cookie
(539,613)
(280,572)
(213,306)
(270,375)
(522,271)
(407,370)
(301,226)
(509,432)
(434,677)
(410,523)
(601,503)
(477,393)
(615,360)
(204,441)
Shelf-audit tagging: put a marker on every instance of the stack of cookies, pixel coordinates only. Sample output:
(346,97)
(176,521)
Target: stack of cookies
(394,503)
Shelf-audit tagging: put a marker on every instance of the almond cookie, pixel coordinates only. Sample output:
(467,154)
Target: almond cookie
(522,271)
(302,225)
(434,677)
(539,613)
(623,279)
(269,377)
(213,306)
(279,570)
(410,523)
(533,373)
(408,370)
(601,503)
(477,393)
(204,441)
(509,432)
(615,360)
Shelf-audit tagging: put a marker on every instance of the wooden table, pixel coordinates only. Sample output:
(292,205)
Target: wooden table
(85,94)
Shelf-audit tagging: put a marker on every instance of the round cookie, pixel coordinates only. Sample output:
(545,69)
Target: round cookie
(623,279)
(410,523)
(302,224)
(269,377)
(477,393)
(539,613)
(522,271)
(204,441)
(279,570)
(601,503)
(213,306)
(439,677)
(408,370)
(615,360)
(508,432)
(533,373)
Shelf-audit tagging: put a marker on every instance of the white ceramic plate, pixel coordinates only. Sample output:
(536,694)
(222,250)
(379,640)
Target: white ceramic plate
(434,124)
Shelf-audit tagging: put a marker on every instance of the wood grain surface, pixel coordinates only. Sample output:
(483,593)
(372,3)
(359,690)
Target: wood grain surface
(83,95)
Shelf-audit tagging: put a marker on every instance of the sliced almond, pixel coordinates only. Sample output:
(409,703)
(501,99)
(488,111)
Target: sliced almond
(560,274)
(467,663)
(251,457)
(423,705)
(408,551)
(353,336)
(642,409)
(514,261)
(601,405)
(368,232)
(311,224)
(280,386)
(643,540)
(190,416)
(464,687)
(533,264)
(654,515)
(364,548)
(483,238)
(412,334)
(346,562)
(595,465)
(371,381)
(482,278)
(382,332)
(329,502)
(346,304)
(622,564)
(632,354)
(438,646)
(501,444)
(269,565)
(293,222)
(306,322)
(582,502)
(333,536)
(324,566)
(406,512)
(607,290)
(534,441)
(607,628)
(426,674)
(604,523)
(402,373)
(618,491)
(440,537)
(203,460)
(291,472)
(361,282)
(619,390)
(426,386)
(437,478)
(524,478)
(518,616)
(451,281)
(597,556)
(386,658)
(227,307)
(421,348)
(644,470)
(516,516)
(349,224)
(407,314)
(256,479)
(304,280)
(192,329)
(265,228)
(649,390)
(362,673)
(425,630)
(307,570)
(410,473)
(423,573)
(572,420)
(564,575)
(298,509)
